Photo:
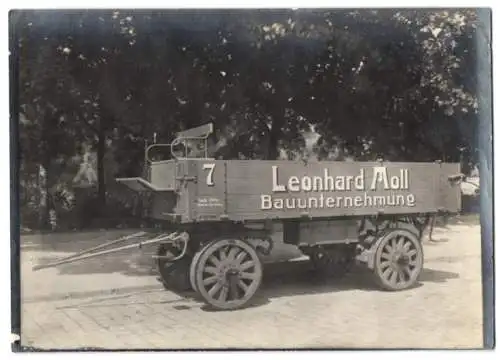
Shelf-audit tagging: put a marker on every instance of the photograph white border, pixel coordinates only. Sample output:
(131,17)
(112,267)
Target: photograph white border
(5,154)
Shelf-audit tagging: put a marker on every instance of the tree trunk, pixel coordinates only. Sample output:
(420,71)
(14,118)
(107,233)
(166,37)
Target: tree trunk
(44,203)
(101,178)
(277,109)
(274,137)
(39,196)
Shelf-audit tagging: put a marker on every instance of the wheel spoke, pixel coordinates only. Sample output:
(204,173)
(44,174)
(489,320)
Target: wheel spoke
(385,255)
(386,273)
(240,257)
(215,289)
(213,259)
(223,294)
(223,254)
(393,244)
(231,256)
(211,270)
(407,246)
(393,278)
(210,280)
(400,242)
(412,253)
(408,271)
(243,286)
(389,249)
(384,264)
(247,265)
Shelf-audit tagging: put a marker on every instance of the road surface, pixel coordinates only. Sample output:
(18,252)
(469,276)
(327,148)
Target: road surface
(116,303)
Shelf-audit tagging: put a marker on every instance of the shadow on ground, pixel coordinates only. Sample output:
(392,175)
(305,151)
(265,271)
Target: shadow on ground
(296,278)
(46,249)
(465,219)
(71,241)
(280,280)
(129,264)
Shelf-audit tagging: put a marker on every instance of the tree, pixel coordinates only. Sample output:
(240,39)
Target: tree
(396,84)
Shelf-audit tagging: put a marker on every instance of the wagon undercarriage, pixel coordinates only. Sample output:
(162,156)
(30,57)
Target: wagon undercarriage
(227,271)
(224,267)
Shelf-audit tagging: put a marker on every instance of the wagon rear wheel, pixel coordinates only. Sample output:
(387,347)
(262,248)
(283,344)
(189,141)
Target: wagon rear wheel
(227,273)
(398,260)
(174,275)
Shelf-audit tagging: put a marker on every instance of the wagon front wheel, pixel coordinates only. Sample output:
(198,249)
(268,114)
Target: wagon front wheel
(228,273)
(398,260)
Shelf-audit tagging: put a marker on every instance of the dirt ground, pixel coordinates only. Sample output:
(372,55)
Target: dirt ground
(116,302)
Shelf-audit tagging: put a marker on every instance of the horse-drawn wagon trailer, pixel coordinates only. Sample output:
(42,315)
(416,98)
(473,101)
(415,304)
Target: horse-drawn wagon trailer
(217,217)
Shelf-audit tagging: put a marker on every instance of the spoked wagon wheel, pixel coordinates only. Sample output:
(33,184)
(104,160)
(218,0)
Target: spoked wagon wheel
(227,273)
(174,274)
(398,260)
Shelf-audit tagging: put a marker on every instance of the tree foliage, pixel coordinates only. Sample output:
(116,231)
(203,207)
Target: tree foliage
(361,84)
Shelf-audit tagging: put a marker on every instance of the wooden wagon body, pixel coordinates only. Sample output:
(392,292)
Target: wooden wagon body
(200,190)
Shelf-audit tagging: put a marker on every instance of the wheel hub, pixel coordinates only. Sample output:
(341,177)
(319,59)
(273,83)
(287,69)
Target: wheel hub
(403,260)
(400,260)
(228,271)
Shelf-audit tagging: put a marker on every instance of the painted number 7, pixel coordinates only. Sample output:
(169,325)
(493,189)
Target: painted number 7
(210,175)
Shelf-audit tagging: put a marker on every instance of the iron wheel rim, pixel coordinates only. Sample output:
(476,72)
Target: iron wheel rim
(228,273)
(193,269)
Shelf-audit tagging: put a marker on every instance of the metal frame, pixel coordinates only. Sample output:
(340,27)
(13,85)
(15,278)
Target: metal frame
(199,133)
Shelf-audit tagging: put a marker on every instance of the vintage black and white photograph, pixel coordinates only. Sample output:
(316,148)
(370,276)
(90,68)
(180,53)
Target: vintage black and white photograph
(252,178)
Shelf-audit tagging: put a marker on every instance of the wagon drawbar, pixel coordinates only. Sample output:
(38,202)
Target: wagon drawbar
(217,218)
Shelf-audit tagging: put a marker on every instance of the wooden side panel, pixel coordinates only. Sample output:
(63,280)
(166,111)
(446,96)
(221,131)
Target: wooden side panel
(209,196)
(163,174)
(340,231)
(291,189)
(164,204)
(249,190)
(177,203)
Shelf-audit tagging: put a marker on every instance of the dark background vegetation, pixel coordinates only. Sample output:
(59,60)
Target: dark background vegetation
(94,86)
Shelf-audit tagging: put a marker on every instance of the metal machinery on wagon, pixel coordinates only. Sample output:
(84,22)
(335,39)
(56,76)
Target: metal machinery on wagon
(219,217)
